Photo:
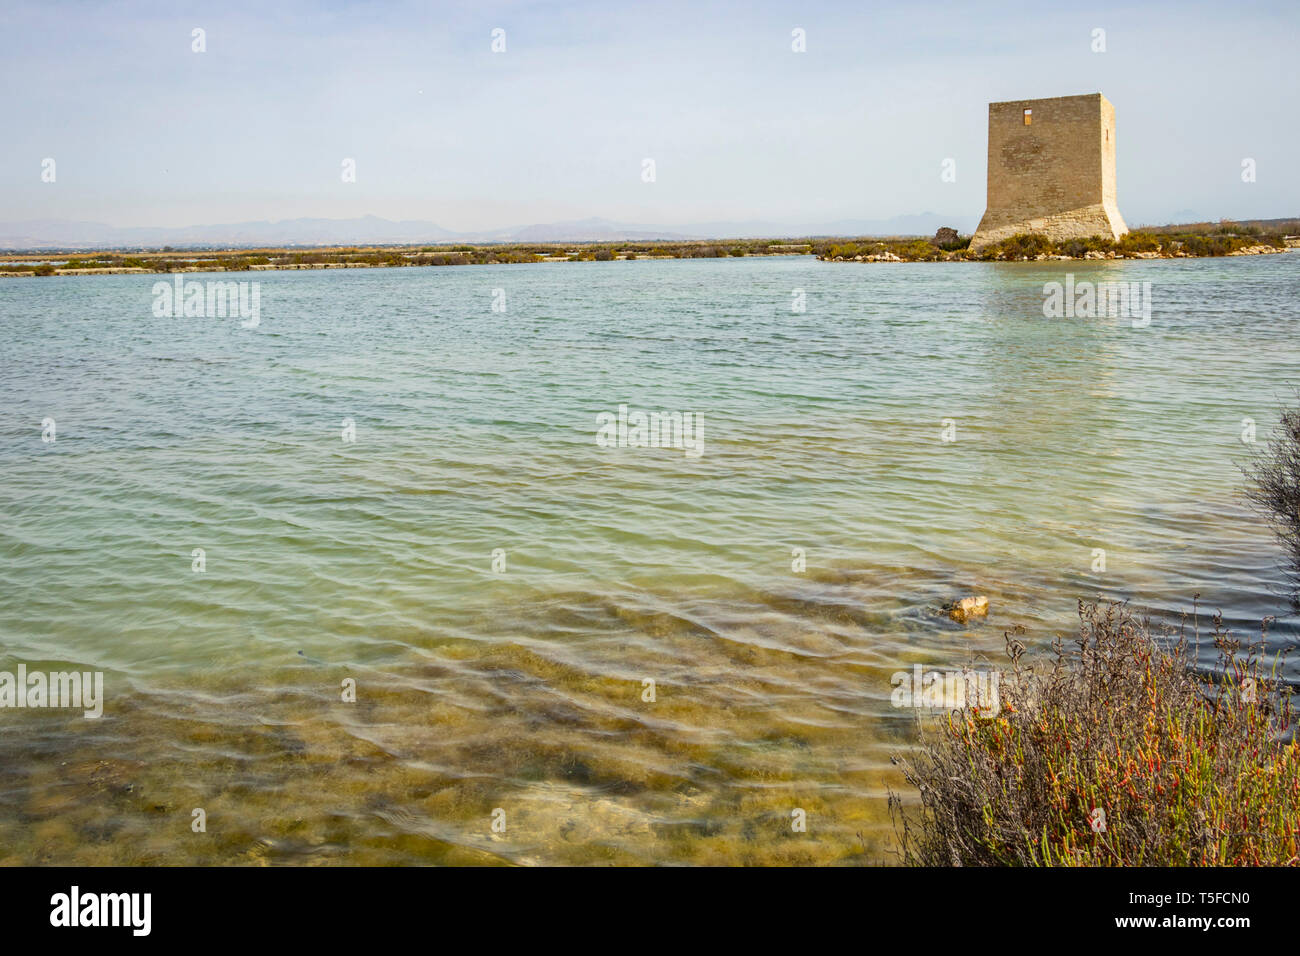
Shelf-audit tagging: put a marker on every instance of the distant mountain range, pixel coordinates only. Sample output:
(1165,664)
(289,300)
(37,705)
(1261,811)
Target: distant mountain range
(372,230)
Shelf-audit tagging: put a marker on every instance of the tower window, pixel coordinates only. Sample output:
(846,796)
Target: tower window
(1029,117)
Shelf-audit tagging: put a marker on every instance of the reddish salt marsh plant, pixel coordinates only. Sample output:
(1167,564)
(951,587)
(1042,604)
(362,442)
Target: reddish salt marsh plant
(1116,752)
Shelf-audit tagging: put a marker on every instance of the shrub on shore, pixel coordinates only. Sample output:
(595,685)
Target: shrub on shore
(1205,245)
(1022,246)
(919,249)
(1275,490)
(1116,754)
(1223,240)
(1078,248)
(1137,242)
(1260,228)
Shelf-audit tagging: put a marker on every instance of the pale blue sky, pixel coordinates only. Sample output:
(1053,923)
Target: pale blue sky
(146,132)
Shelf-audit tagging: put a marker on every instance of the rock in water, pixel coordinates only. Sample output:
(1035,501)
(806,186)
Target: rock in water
(967,608)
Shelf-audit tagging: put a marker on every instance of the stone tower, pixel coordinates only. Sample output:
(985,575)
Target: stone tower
(1051,170)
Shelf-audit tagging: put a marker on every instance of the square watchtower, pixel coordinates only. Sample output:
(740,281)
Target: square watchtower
(1051,170)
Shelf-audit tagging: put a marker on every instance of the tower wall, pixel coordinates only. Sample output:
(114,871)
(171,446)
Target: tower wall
(1054,175)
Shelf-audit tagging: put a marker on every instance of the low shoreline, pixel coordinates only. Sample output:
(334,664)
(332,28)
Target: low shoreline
(168,260)
(1261,250)
(293,266)
(1206,240)
(1023,248)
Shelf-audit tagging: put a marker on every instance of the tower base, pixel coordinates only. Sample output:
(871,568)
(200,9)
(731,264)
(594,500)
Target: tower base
(1100,219)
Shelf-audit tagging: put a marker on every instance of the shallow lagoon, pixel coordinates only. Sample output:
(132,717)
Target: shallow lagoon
(524,689)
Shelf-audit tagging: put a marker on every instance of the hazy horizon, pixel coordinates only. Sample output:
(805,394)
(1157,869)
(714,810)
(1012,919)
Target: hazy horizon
(146,132)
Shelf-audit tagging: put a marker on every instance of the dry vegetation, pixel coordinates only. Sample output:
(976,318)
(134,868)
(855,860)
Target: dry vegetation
(242,260)
(1194,239)
(1115,754)
(1275,490)
(1118,752)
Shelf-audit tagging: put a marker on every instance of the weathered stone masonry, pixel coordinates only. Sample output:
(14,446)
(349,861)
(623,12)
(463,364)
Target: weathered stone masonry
(1051,170)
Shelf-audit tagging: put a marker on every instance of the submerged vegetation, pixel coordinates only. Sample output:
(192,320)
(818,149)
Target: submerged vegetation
(1116,754)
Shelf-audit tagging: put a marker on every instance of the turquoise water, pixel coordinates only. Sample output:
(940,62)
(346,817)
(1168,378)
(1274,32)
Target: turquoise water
(521,689)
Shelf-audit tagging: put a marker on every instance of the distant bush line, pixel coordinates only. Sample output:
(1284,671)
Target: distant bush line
(457,255)
(1195,239)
